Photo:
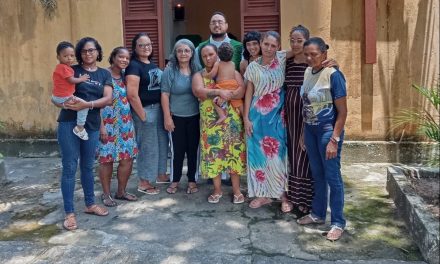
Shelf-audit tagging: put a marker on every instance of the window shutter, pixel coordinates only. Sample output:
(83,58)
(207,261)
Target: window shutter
(144,16)
(260,15)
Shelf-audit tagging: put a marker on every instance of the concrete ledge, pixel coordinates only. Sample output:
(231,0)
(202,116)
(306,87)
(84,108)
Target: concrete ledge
(353,151)
(422,225)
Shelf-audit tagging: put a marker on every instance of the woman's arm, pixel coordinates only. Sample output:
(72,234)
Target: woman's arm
(239,92)
(214,71)
(168,120)
(79,104)
(133,96)
(203,93)
(247,104)
(341,108)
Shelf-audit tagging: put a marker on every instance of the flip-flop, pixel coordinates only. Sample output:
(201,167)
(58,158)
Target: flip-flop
(309,219)
(260,201)
(191,190)
(215,198)
(238,199)
(126,197)
(172,189)
(150,190)
(96,210)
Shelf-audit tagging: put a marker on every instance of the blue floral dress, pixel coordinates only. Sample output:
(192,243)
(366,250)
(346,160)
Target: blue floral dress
(120,143)
(266,147)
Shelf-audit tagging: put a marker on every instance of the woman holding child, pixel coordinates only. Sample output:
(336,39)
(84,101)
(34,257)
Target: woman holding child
(94,94)
(181,113)
(222,144)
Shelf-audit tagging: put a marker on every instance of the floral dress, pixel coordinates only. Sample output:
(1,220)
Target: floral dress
(266,148)
(120,143)
(222,146)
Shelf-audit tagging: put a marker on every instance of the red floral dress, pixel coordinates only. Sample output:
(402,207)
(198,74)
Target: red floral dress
(266,148)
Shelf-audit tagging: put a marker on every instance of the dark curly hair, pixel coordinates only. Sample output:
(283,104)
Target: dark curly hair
(134,43)
(80,45)
(225,52)
(63,45)
(115,52)
(248,37)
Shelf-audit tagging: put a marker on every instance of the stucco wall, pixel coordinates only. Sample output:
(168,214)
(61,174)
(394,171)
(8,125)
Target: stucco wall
(407,53)
(27,55)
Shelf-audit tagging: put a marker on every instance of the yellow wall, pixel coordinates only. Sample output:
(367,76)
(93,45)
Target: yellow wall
(27,55)
(407,49)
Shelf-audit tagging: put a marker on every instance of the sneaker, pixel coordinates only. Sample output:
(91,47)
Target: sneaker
(82,134)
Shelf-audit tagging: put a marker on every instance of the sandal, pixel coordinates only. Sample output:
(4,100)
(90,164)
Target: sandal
(82,134)
(214,198)
(127,197)
(335,233)
(96,210)
(309,219)
(260,201)
(192,189)
(172,189)
(152,190)
(238,199)
(70,222)
(286,207)
(107,200)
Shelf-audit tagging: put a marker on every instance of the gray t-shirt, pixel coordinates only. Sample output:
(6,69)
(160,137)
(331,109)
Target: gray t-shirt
(183,103)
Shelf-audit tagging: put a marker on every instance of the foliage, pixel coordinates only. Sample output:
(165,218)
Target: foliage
(425,120)
(49,6)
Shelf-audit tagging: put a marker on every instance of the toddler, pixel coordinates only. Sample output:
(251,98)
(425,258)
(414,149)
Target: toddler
(64,85)
(224,74)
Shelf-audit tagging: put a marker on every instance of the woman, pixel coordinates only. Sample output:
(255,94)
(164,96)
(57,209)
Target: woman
(222,145)
(93,94)
(251,44)
(143,90)
(264,124)
(117,142)
(299,194)
(181,113)
(324,112)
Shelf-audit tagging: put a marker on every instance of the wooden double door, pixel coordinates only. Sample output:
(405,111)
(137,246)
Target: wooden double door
(147,16)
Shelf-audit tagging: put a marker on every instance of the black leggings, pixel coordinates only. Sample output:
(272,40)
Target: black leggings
(186,138)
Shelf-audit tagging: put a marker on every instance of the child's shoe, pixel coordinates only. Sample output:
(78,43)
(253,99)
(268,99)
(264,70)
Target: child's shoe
(82,134)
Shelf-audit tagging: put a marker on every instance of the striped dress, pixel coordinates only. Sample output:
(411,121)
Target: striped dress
(300,185)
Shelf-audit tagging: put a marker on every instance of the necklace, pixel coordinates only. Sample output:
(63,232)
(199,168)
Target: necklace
(92,68)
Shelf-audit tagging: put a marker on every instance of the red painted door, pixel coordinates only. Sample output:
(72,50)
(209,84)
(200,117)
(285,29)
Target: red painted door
(260,15)
(144,16)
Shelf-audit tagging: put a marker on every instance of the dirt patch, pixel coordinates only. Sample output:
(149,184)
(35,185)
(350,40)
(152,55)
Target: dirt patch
(428,189)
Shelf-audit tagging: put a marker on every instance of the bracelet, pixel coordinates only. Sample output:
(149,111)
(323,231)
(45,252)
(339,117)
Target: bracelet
(91,107)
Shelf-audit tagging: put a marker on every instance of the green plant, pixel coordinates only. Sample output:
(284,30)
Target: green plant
(49,6)
(425,120)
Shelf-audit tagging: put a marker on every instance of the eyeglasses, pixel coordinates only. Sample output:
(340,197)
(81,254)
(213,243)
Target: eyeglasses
(218,22)
(143,46)
(181,51)
(87,51)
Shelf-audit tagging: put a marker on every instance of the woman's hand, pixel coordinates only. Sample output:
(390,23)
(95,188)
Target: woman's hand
(103,134)
(328,63)
(248,126)
(225,95)
(169,124)
(332,150)
(76,104)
